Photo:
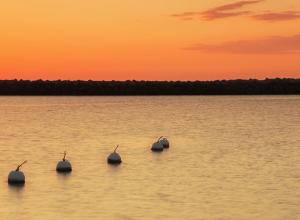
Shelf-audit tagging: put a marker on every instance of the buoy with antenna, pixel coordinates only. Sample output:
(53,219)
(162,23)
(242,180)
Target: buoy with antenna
(64,166)
(114,157)
(157,146)
(17,177)
(164,141)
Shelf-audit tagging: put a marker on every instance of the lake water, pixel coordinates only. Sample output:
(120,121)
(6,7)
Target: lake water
(231,157)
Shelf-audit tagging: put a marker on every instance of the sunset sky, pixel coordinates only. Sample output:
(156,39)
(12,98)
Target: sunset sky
(150,40)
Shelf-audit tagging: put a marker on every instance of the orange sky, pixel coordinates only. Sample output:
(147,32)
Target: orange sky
(151,40)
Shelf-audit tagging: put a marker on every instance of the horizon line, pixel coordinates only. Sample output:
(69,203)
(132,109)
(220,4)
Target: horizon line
(143,80)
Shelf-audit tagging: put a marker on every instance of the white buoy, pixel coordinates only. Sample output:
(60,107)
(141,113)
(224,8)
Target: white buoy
(17,177)
(114,158)
(157,146)
(64,165)
(164,141)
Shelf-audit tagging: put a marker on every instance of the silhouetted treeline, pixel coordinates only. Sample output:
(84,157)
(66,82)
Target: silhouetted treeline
(220,87)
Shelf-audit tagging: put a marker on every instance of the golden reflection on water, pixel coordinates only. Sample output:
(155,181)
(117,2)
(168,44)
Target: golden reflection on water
(230,157)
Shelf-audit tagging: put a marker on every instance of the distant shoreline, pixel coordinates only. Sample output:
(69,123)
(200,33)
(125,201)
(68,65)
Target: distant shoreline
(277,86)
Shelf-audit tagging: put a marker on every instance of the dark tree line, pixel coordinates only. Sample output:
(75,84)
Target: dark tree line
(219,87)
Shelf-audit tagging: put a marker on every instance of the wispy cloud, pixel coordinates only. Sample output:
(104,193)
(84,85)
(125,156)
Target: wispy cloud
(189,15)
(219,12)
(277,16)
(232,10)
(213,15)
(271,45)
(225,11)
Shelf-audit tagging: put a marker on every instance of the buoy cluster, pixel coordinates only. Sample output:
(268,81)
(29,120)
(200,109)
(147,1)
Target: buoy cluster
(17,177)
(161,144)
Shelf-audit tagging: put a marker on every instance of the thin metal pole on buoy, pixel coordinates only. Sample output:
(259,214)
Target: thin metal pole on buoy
(21,165)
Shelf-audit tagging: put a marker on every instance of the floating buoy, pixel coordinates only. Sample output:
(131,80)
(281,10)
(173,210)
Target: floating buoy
(64,165)
(164,141)
(114,158)
(17,177)
(157,146)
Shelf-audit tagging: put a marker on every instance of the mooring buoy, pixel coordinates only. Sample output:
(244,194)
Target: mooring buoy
(157,146)
(17,177)
(164,141)
(114,158)
(64,166)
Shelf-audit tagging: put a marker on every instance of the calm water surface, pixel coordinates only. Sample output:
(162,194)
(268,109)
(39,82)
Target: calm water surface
(230,157)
